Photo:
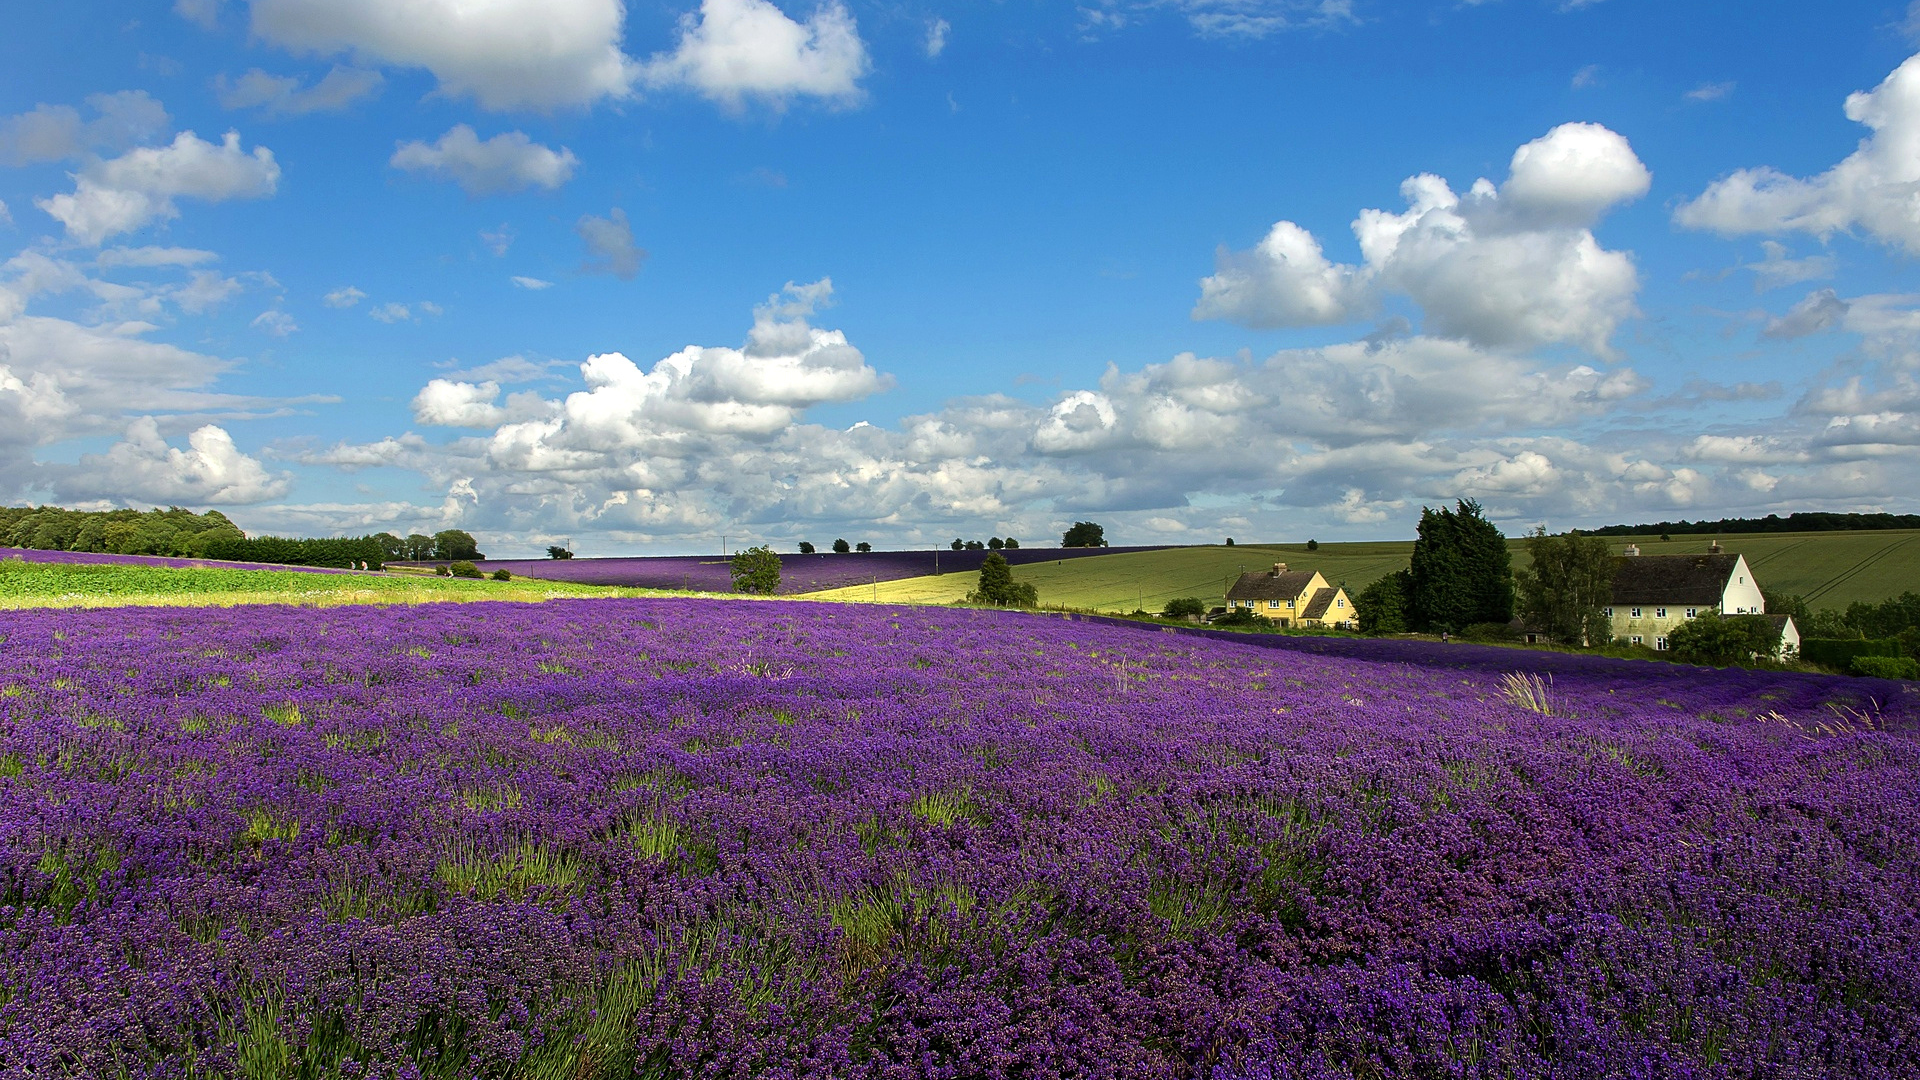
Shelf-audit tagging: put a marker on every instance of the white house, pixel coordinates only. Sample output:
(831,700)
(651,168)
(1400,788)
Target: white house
(1652,594)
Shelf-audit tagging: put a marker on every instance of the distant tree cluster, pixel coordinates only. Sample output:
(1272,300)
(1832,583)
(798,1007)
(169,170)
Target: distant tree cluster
(992,544)
(997,587)
(1461,575)
(840,547)
(558,552)
(173,531)
(1084,534)
(1808,522)
(185,534)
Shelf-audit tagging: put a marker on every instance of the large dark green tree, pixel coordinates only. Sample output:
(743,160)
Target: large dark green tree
(998,588)
(1567,589)
(1462,572)
(756,570)
(1084,534)
(1383,605)
(1724,639)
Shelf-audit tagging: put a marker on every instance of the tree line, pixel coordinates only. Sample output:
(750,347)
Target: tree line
(1800,522)
(179,533)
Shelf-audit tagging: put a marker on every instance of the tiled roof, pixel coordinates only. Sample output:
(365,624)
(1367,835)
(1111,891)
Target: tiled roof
(1317,607)
(1699,580)
(1266,585)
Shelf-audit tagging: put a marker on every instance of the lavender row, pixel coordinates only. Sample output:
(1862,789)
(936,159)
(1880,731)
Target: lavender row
(109,558)
(798,573)
(675,837)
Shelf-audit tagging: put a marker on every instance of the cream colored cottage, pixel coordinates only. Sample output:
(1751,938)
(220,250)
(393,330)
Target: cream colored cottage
(1652,594)
(1292,598)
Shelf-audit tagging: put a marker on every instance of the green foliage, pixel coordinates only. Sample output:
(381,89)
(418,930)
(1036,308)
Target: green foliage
(1724,639)
(503,574)
(1184,607)
(1313,545)
(841,547)
(863,547)
(464,569)
(1244,617)
(1462,570)
(453,544)
(806,548)
(1885,667)
(1084,534)
(1229,541)
(756,570)
(1838,654)
(1566,590)
(1383,605)
(1885,619)
(1012,544)
(995,543)
(558,552)
(998,588)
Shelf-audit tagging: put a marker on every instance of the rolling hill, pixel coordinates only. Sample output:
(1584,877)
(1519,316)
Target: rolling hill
(1830,569)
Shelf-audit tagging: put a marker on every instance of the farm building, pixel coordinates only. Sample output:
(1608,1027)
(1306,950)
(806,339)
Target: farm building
(1292,597)
(1652,594)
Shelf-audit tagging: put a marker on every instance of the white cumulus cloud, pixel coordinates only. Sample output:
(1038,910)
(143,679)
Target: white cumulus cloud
(284,95)
(143,468)
(59,133)
(507,162)
(505,54)
(344,297)
(610,246)
(127,192)
(1871,190)
(733,51)
(1510,266)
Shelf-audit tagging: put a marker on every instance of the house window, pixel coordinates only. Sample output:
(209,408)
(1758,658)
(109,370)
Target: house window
(1636,639)
(1275,603)
(1693,613)
(1289,603)
(1609,613)
(1660,613)
(1660,643)
(1636,613)
(1339,601)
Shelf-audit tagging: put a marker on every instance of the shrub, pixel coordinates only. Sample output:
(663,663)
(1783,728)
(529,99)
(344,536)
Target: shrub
(464,569)
(756,570)
(1383,605)
(1313,545)
(1244,617)
(503,574)
(1885,667)
(1488,631)
(1724,639)
(1184,607)
(1839,653)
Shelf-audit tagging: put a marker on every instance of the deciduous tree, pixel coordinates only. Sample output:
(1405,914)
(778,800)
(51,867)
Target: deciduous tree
(756,570)
(1567,589)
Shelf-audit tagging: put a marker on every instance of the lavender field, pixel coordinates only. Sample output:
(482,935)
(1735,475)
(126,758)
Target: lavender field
(679,838)
(798,573)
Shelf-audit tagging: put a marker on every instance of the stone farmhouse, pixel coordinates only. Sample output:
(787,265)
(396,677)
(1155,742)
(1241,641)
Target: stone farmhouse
(1652,594)
(1292,598)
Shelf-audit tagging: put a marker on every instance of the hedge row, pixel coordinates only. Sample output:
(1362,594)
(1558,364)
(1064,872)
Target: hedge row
(1838,653)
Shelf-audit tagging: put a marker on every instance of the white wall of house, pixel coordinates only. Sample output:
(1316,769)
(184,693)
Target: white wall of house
(1743,595)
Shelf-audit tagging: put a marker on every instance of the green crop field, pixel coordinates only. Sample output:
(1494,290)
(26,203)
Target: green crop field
(1831,569)
(32,585)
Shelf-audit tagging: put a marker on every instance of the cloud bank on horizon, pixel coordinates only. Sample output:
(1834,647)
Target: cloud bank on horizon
(1628,319)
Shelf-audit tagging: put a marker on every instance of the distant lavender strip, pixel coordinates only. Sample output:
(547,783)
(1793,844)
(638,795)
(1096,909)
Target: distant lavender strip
(108,558)
(798,573)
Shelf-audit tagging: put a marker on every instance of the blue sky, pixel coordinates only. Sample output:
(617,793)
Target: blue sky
(644,275)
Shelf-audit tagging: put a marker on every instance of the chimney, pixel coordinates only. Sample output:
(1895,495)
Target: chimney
(1713,547)
(1279,568)
(1632,550)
